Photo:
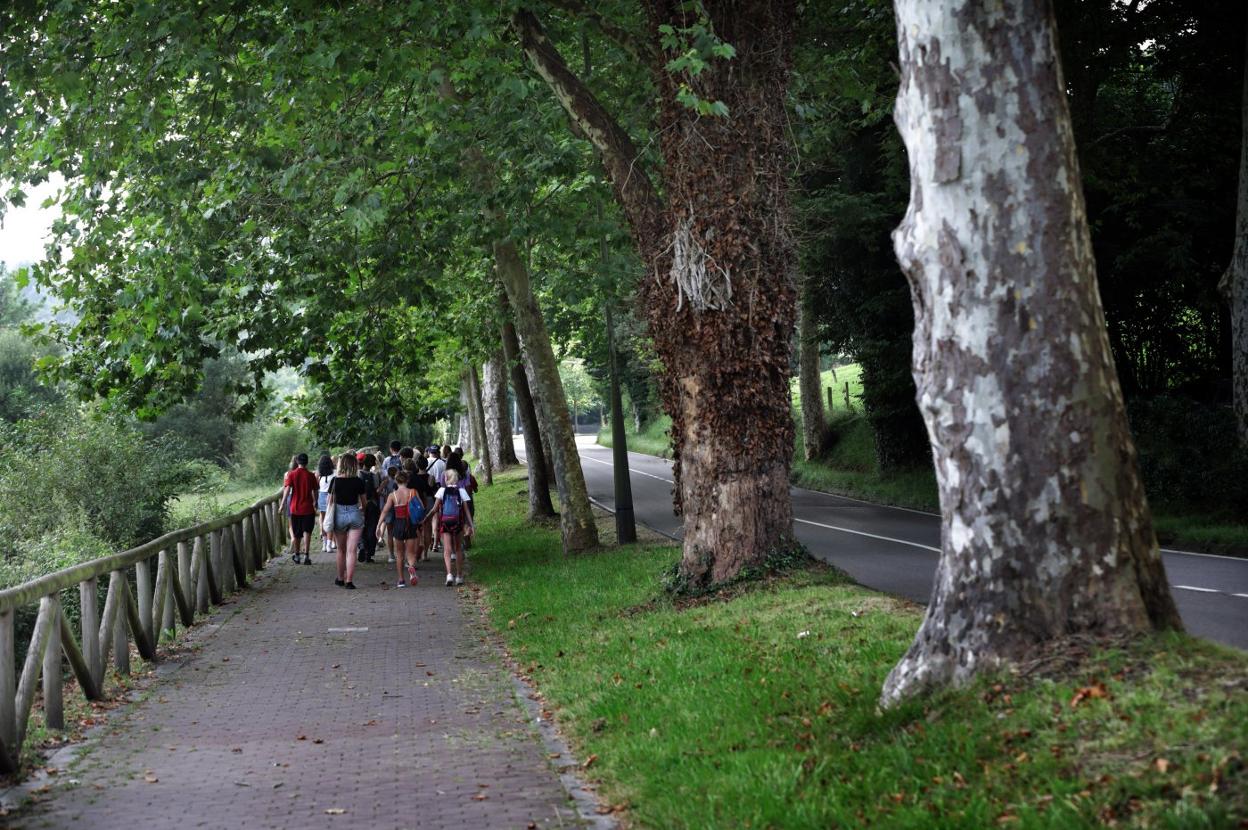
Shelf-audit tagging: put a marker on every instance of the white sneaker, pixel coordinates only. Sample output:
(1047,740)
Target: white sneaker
(450,580)
(452,557)
(459,580)
(400,584)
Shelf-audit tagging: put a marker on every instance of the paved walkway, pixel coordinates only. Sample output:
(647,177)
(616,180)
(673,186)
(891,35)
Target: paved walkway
(312,706)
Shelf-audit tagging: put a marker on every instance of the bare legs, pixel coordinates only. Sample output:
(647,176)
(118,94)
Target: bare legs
(347,541)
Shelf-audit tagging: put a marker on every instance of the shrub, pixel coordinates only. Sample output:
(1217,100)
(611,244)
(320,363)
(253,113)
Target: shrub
(76,484)
(266,450)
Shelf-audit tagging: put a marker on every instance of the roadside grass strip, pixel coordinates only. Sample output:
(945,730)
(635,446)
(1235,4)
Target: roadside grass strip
(759,709)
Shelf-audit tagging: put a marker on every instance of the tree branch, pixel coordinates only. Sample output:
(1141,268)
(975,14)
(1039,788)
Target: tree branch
(636,47)
(620,157)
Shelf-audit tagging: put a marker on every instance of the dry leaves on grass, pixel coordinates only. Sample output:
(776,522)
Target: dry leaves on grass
(1095,691)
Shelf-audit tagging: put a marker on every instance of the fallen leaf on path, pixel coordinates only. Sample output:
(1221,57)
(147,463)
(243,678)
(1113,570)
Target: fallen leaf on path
(589,762)
(318,740)
(335,811)
(1162,765)
(150,778)
(302,738)
(480,797)
(1093,692)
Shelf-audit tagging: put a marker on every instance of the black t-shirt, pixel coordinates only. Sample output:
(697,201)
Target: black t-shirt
(422,487)
(370,484)
(347,490)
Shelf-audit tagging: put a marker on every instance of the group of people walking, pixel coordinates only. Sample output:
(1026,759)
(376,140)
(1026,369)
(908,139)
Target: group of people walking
(414,503)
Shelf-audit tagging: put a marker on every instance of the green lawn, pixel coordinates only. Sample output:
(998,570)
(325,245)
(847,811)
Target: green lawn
(760,711)
(194,508)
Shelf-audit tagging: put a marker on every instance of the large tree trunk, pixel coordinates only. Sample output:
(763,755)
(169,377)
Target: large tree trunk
(497,414)
(1235,282)
(1045,528)
(540,506)
(476,412)
(720,291)
(576,517)
(814,427)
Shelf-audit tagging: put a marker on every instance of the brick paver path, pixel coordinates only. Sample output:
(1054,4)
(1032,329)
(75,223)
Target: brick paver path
(412,723)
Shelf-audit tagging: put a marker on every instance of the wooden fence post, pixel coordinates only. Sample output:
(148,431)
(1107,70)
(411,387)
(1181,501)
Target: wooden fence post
(143,588)
(121,644)
(8,684)
(88,597)
(53,705)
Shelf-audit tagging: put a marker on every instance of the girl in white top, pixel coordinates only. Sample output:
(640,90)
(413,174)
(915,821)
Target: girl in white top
(454,522)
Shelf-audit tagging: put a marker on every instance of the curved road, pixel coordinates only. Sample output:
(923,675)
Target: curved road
(895,550)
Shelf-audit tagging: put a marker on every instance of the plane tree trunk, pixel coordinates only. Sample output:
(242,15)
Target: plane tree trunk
(1045,528)
(810,384)
(719,292)
(497,414)
(476,413)
(1234,284)
(540,506)
(576,517)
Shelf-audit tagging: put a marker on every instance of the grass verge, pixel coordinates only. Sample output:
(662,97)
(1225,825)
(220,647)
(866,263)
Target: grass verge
(760,709)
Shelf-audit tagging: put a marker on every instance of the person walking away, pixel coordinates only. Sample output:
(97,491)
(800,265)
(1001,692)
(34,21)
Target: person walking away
(404,527)
(324,477)
(454,523)
(301,486)
(437,466)
(285,502)
(393,460)
(346,495)
(372,510)
(388,485)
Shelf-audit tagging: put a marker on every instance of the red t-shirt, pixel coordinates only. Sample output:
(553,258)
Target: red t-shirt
(302,486)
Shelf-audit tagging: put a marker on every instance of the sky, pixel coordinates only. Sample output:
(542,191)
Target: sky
(24,230)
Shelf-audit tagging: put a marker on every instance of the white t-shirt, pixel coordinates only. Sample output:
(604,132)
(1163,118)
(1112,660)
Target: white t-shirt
(463,494)
(436,469)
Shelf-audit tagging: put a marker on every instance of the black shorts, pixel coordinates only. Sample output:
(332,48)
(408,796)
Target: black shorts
(302,525)
(403,529)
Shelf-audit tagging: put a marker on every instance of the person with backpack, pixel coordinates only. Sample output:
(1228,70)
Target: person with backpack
(393,460)
(453,524)
(406,513)
(346,500)
(418,480)
(372,510)
(388,486)
(298,489)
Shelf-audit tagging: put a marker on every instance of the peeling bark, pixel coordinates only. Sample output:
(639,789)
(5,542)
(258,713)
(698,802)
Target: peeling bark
(476,412)
(497,414)
(1234,284)
(576,518)
(719,293)
(1045,528)
(540,506)
(810,384)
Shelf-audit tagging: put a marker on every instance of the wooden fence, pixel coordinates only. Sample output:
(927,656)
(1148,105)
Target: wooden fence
(195,568)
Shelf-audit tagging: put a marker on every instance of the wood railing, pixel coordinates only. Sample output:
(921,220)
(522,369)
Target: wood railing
(195,569)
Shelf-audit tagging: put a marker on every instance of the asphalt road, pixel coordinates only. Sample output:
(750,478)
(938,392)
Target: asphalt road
(895,550)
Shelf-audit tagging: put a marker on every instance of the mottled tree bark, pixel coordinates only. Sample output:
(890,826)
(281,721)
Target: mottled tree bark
(1045,528)
(720,293)
(497,411)
(540,506)
(1234,284)
(810,385)
(476,412)
(576,518)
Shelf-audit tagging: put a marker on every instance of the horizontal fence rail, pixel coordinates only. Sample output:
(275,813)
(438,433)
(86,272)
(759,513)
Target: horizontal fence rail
(196,567)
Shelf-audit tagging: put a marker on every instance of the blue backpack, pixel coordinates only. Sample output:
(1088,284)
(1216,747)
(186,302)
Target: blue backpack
(415,509)
(451,504)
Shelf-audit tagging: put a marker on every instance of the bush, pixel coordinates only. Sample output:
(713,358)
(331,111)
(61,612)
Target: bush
(266,450)
(1189,456)
(76,485)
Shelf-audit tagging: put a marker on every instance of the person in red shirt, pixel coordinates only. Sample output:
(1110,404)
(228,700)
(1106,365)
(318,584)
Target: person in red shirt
(300,487)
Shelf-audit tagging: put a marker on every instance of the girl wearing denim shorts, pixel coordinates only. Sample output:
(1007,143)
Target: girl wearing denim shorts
(346,495)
